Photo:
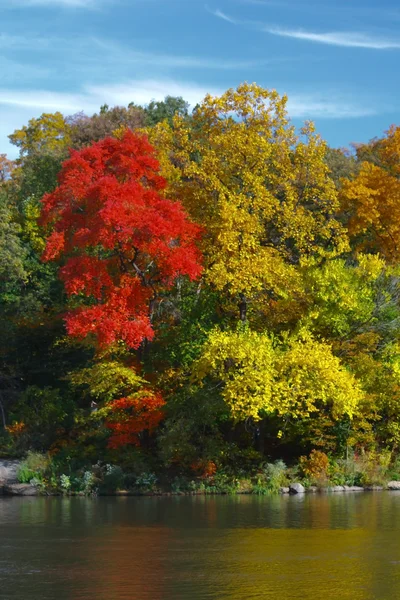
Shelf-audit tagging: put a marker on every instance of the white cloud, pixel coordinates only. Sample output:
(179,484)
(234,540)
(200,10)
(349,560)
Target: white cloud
(337,38)
(222,15)
(320,107)
(92,97)
(143,91)
(45,100)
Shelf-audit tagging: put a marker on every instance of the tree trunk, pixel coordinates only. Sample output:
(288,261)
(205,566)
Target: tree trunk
(2,412)
(243,308)
(260,438)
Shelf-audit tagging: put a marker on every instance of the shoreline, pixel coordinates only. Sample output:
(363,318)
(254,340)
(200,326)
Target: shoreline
(15,490)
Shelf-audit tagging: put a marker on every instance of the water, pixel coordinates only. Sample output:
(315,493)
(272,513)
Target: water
(326,547)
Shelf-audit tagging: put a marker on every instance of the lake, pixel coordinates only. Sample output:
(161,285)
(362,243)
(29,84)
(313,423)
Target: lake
(332,546)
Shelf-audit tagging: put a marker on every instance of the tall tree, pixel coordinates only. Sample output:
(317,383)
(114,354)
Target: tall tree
(264,196)
(122,245)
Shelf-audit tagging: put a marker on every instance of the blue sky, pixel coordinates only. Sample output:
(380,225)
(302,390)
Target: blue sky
(336,60)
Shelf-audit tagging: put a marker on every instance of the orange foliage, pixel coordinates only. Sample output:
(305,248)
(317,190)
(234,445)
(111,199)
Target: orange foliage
(372,200)
(17,428)
(204,468)
(316,465)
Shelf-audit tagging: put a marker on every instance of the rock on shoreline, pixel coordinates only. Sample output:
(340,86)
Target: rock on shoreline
(8,471)
(20,489)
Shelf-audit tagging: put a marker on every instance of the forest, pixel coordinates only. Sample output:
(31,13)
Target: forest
(199,300)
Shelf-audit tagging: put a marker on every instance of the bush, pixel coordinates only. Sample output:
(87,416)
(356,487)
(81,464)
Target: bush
(113,479)
(146,482)
(184,485)
(315,467)
(276,475)
(45,414)
(34,466)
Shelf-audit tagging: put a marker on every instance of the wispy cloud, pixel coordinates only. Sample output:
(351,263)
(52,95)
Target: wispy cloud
(19,42)
(221,15)
(347,39)
(91,97)
(18,106)
(142,91)
(317,106)
(124,55)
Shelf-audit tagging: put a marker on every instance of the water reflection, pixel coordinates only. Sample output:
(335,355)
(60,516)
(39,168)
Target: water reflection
(244,547)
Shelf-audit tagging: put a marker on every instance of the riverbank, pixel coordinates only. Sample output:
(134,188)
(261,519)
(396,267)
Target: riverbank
(40,474)
(25,489)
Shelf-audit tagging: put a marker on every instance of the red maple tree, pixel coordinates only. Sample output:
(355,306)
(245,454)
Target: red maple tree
(133,415)
(122,243)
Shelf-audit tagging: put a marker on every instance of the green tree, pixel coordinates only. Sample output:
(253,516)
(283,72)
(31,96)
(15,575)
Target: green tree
(166,110)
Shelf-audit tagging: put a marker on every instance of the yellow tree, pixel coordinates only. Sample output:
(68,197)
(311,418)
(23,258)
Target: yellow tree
(372,200)
(263,195)
(259,376)
(50,133)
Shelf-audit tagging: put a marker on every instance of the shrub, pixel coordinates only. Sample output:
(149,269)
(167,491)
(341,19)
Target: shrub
(276,475)
(315,467)
(34,466)
(146,482)
(113,478)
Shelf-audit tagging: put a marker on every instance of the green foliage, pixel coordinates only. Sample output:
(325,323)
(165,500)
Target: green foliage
(341,163)
(113,478)
(13,273)
(34,466)
(271,478)
(146,482)
(165,110)
(45,415)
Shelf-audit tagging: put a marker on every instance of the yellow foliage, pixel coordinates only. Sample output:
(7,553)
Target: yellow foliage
(244,362)
(48,133)
(107,380)
(31,230)
(309,375)
(340,295)
(264,196)
(292,379)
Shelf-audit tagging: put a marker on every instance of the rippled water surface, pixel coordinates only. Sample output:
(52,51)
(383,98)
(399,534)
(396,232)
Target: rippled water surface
(319,547)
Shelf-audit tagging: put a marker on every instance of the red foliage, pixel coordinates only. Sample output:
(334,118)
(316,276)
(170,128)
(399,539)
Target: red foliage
(132,416)
(122,241)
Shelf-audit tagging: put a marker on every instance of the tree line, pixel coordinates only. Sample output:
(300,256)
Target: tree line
(193,290)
